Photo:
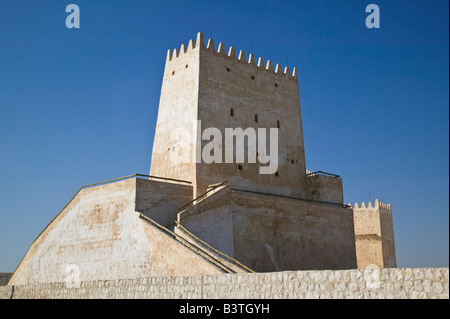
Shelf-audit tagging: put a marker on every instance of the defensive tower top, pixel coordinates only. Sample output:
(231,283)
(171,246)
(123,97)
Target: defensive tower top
(221,50)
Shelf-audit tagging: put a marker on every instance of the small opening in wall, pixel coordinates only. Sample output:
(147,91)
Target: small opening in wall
(240,167)
(278,124)
(173,72)
(256,118)
(228,69)
(276,85)
(277,174)
(186,66)
(292,161)
(232,112)
(253,77)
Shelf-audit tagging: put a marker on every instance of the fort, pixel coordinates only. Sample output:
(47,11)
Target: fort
(195,220)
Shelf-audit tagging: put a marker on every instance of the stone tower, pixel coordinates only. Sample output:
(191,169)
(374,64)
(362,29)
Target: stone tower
(374,235)
(225,90)
(287,219)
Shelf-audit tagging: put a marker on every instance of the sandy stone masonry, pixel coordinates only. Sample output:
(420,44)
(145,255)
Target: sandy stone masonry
(401,283)
(374,234)
(226,91)
(291,221)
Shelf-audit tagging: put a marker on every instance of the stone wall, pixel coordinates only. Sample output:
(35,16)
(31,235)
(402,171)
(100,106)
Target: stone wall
(269,233)
(414,283)
(160,200)
(177,110)
(239,91)
(100,236)
(325,188)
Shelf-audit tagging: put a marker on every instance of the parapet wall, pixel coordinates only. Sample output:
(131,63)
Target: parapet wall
(378,204)
(172,55)
(413,283)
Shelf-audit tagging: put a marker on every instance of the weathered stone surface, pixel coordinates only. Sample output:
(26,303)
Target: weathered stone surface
(288,220)
(274,233)
(374,234)
(225,92)
(288,285)
(99,236)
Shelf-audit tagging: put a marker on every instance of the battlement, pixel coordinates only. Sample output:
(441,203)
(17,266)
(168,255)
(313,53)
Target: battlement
(221,51)
(378,204)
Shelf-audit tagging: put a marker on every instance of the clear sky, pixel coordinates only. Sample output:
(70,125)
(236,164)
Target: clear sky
(78,106)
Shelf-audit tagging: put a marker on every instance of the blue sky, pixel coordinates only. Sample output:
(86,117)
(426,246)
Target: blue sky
(78,106)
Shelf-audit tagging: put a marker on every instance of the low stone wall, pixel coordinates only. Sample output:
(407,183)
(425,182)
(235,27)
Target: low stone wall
(341,284)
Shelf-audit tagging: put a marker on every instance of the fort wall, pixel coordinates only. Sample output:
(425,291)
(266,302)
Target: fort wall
(268,232)
(325,188)
(237,91)
(178,108)
(160,201)
(100,235)
(401,283)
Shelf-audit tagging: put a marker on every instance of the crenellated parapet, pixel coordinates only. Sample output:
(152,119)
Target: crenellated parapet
(377,205)
(231,54)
